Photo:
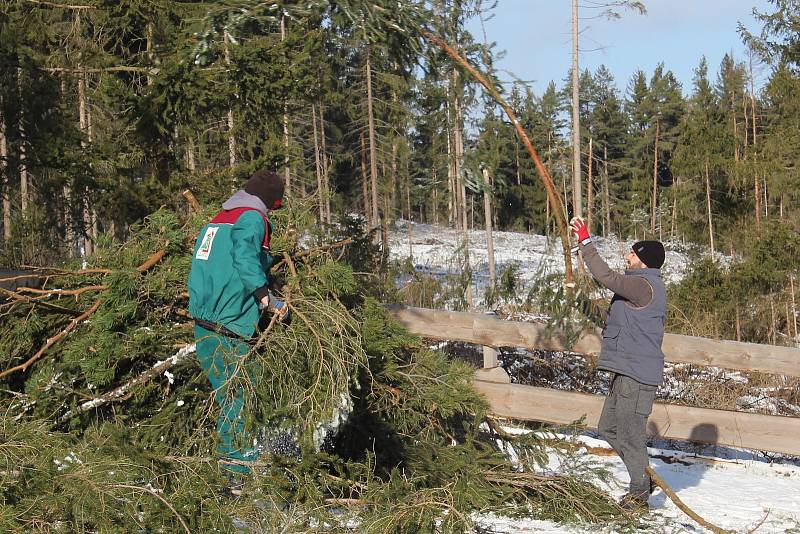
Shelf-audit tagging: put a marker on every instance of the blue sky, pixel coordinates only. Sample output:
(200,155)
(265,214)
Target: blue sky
(536,36)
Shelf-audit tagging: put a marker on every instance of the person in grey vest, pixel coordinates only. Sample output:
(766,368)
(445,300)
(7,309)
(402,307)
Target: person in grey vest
(631,351)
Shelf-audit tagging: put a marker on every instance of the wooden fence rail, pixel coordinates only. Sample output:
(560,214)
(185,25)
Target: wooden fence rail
(738,429)
(492,332)
(722,427)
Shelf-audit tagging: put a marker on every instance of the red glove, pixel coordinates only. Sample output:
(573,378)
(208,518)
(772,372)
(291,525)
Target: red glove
(581,231)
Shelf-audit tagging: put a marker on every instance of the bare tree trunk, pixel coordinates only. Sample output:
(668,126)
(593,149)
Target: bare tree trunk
(673,226)
(231,124)
(326,182)
(487,215)
(738,324)
(708,208)
(757,196)
(458,138)
(589,189)
(373,161)
(655,181)
(794,307)
(5,181)
(774,323)
(149,29)
(317,165)
(365,181)
(83,121)
(735,129)
(452,203)
(287,174)
(393,167)
(23,160)
(435,200)
(190,148)
(577,199)
(606,199)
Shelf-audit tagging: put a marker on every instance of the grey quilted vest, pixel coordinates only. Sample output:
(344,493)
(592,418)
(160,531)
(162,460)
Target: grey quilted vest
(632,336)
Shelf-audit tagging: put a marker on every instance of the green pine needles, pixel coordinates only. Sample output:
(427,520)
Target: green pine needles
(108,422)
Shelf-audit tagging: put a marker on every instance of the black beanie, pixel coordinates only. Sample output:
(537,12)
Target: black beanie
(267,186)
(650,252)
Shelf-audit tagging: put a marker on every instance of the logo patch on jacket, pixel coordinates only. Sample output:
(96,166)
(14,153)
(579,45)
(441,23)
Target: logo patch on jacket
(204,251)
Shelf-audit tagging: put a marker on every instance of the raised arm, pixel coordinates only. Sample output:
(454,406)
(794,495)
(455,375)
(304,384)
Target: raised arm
(635,289)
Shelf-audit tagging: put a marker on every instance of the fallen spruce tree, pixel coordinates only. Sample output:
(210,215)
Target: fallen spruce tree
(108,422)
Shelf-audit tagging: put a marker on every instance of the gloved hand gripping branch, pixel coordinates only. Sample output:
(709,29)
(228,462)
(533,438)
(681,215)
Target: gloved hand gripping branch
(581,231)
(276,306)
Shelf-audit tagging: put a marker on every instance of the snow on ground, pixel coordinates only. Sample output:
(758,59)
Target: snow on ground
(733,489)
(435,250)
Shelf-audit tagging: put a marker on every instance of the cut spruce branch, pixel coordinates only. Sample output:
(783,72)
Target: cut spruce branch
(53,340)
(152,260)
(558,211)
(122,391)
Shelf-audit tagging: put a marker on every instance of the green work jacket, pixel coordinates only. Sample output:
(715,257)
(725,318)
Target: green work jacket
(230,264)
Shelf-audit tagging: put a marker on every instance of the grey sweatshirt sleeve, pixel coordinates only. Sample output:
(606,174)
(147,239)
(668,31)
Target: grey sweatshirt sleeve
(633,288)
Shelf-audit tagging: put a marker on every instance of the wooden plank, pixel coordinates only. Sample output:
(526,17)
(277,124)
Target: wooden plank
(489,331)
(737,429)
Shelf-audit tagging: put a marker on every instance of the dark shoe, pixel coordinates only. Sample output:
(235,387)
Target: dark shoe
(635,504)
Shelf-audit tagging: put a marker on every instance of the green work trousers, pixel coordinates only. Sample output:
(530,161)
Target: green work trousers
(220,357)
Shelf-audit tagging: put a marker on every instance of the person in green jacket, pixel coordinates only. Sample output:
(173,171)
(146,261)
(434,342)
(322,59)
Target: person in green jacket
(228,289)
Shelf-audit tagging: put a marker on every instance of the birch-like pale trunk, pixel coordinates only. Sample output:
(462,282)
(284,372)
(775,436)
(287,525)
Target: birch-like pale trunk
(487,215)
(606,199)
(365,181)
(577,198)
(794,307)
(318,166)
(452,190)
(230,120)
(708,208)
(287,170)
(654,199)
(326,182)
(373,158)
(6,182)
(191,164)
(458,141)
(23,160)
(83,122)
(589,189)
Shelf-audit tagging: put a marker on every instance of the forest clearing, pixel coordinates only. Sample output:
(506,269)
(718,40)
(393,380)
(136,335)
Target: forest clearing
(323,266)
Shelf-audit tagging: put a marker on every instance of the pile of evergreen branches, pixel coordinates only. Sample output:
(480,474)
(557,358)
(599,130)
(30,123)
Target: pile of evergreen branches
(108,422)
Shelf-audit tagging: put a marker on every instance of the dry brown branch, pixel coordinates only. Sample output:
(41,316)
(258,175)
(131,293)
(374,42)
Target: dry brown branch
(22,298)
(552,194)
(149,262)
(62,292)
(160,498)
(53,340)
(61,6)
(680,504)
(100,70)
(153,259)
(193,203)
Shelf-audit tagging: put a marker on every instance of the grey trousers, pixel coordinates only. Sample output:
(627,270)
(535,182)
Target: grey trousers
(623,424)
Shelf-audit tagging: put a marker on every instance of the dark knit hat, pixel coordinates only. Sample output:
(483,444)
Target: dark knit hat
(267,186)
(650,252)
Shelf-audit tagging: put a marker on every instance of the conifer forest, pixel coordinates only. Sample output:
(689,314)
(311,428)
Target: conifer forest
(124,125)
